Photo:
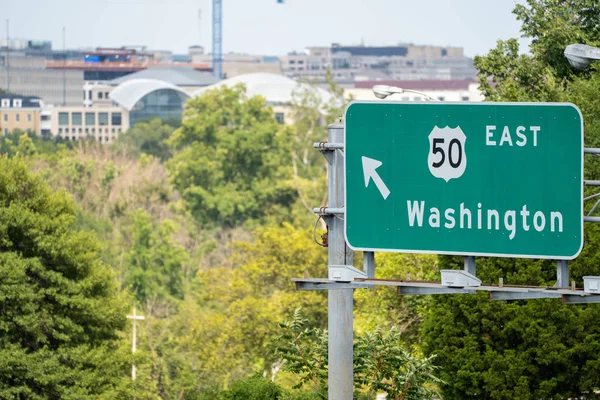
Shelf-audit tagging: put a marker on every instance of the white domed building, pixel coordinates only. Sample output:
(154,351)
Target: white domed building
(278,91)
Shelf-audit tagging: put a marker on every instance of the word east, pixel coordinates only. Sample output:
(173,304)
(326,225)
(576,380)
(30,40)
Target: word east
(465,218)
(520,136)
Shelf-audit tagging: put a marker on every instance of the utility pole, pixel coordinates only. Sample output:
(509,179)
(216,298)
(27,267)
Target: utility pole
(7,56)
(200,27)
(135,318)
(340,301)
(64,67)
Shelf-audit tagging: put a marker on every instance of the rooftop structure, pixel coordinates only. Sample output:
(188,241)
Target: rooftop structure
(150,98)
(185,76)
(276,89)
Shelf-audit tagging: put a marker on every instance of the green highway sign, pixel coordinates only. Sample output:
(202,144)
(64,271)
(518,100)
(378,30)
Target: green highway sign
(485,179)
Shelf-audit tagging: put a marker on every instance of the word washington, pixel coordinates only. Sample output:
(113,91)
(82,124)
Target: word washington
(484,219)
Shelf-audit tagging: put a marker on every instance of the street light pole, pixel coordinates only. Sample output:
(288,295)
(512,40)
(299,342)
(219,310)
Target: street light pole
(135,318)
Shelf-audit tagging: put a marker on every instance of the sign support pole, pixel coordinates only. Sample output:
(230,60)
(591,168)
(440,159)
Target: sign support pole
(562,274)
(340,301)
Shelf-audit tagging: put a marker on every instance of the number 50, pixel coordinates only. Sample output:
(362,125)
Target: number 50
(454,144)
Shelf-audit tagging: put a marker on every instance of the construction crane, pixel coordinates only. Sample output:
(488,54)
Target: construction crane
(217,37)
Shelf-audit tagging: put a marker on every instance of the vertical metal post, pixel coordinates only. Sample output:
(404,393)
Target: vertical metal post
(217,39)
(470,265)
(340,301)
(562,274)
(7,56)
(369,264)
(64,74)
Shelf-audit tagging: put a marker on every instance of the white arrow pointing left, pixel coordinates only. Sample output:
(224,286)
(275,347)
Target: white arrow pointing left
(369,167)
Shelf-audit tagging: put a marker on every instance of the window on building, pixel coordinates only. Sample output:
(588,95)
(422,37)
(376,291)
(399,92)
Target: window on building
(292,61)
(417,98)
(93,130)
(118,130)
(441,98)
(103,118)
(5,131)
(89,95)
(63,118)
(106,95)
(45,117)
(79,130)
(59,130)
(5,117)
(90,118)
(115,119)
(100,95)
(5,103)
(17,103)
(76,118)
(28,117)
(280,117)
(66,130)
(465,98)
(112,130)
(87,130)
(106,130)
(18,117)
(73,138)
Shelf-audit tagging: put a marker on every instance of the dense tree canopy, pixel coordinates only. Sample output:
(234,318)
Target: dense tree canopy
(231,159)
(60,309)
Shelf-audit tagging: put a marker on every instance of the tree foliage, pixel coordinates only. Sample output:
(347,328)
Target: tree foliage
(231,159)
(381,362)
(149,137)
(61,312)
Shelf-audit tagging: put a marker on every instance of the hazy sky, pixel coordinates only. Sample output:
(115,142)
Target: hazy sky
(263,26)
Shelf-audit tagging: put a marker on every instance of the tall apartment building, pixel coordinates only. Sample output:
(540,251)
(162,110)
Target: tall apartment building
(29,77)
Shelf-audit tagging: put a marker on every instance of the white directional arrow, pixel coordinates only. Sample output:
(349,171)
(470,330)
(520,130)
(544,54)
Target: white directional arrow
(369,167)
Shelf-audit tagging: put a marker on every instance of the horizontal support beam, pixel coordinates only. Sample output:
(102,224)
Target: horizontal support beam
(591,150)
(327,210)
(579,299)
(591,219)
(591,183)
(507,296)
(507,293)
(328,146)
(407,290)
(330,286)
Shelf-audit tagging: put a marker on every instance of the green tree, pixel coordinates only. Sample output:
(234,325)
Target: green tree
(381,362)
(154,264)
(61,312)
(148,137)
(231,159)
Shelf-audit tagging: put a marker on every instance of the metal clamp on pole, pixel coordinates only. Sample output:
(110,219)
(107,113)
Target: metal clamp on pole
(326,146)
(328,211)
